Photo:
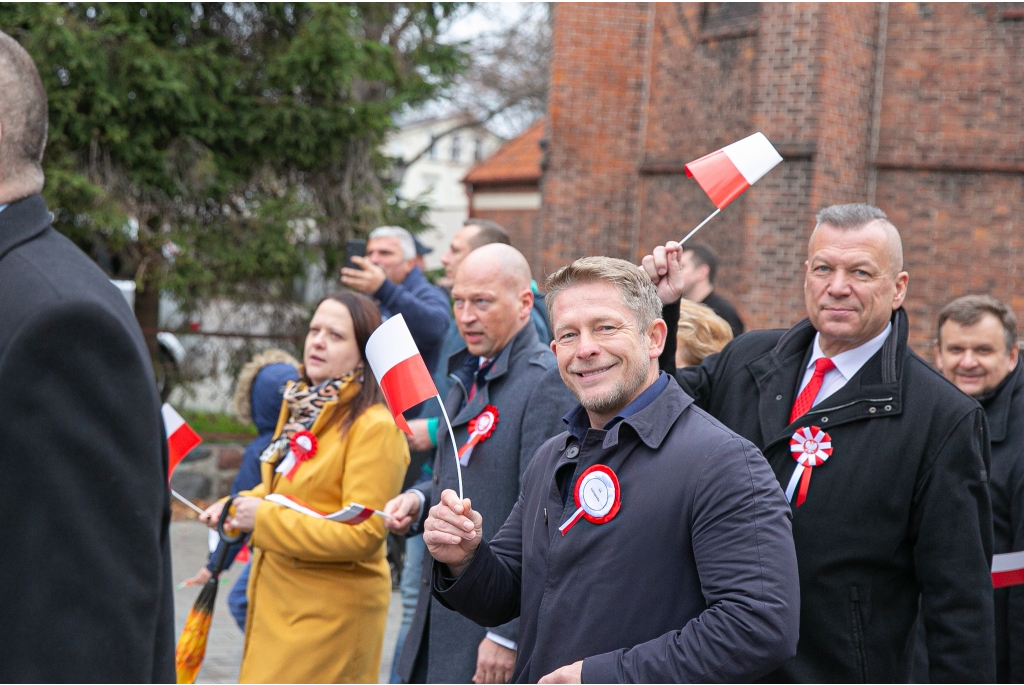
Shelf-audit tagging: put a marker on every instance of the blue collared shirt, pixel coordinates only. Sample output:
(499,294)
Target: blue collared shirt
(578,422)
(3,207)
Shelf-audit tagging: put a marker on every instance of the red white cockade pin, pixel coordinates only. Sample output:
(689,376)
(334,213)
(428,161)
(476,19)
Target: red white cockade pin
(480,428)
(811,447)
(303,447)
(598,497)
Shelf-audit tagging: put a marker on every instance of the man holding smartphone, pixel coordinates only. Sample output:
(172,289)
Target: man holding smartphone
(389,274)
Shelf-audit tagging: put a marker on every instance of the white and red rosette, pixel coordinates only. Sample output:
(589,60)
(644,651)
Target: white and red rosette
(480,428)
(811,447)
(303,447)
(598,497)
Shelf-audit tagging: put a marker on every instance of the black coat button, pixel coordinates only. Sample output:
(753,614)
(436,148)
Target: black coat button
(572,452)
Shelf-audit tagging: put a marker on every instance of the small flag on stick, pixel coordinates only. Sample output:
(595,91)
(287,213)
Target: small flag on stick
(726,173)
(1007,569)
(403,376)
(181,439)
(353,514)
(399,368)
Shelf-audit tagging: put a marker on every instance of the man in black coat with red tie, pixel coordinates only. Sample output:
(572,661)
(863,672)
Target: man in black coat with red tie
(85,572)
(884,462)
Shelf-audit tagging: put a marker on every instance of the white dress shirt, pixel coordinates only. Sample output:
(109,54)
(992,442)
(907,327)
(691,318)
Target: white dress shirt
(847,364)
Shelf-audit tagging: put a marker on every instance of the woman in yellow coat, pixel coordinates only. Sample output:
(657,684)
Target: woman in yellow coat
(318,589)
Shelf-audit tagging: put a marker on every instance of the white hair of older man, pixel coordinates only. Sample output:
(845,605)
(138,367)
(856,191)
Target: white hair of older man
(404,239)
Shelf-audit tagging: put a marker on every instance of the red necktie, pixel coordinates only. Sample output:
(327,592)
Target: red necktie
(805,400)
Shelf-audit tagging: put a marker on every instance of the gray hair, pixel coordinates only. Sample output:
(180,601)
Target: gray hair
(858,215)
(638,292)
(405,240)
(968,310)
(24,115)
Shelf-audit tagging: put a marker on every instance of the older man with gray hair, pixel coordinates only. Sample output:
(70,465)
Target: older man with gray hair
(85,573)
(884,462)
(390,275)
(649,542)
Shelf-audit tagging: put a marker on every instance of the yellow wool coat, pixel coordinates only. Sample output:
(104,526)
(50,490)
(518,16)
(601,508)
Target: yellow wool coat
(319,590)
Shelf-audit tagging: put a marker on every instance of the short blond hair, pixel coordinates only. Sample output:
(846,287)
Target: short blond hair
(701,332)
(638,292)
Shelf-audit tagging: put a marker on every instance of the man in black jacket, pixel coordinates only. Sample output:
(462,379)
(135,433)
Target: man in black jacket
(699,267)
(85,566)
(649,542)
(976,349)
(884,462)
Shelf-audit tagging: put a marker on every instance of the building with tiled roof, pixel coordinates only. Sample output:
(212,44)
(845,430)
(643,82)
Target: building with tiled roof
(506,188)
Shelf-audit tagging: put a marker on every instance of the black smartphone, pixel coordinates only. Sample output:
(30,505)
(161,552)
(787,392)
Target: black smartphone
(354,248)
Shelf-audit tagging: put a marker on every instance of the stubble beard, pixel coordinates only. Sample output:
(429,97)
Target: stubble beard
(621,393)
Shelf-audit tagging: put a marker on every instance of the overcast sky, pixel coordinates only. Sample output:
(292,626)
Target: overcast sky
(475,24)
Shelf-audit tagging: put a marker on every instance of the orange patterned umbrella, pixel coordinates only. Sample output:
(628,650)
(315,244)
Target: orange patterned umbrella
(191,650)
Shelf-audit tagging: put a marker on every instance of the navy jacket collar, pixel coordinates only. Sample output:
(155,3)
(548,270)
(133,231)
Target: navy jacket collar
(651,423)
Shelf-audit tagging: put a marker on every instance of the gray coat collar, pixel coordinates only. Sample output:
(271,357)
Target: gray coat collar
(525,339)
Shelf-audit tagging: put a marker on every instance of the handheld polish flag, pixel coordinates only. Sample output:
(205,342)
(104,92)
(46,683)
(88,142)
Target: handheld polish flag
(1007,569)
(181,440)
(725,174)
(402,374)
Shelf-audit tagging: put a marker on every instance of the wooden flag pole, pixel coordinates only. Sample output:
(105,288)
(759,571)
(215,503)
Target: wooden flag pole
(699,226)
(451,434)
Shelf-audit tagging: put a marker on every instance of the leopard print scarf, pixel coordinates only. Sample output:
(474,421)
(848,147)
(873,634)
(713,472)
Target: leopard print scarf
(304,406)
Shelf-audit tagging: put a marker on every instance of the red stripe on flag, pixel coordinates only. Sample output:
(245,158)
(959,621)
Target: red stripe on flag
(1008,578)
(362,516)
(405,385)
(718,177)
(179,444)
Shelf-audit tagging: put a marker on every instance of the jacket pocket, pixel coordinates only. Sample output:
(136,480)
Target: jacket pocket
(857,631)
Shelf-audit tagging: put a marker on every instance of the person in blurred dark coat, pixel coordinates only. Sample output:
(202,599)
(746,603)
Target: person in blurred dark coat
(85,568)
(976,349)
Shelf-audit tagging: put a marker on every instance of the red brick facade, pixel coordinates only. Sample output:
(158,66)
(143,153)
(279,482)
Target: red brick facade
(916,107)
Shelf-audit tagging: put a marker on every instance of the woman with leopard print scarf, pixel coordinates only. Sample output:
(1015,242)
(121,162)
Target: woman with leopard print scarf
(319,590)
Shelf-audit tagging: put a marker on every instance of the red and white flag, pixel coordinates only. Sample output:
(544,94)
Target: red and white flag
(181,439)
(1007,569)
(352,514)
(726,173)
(399,368)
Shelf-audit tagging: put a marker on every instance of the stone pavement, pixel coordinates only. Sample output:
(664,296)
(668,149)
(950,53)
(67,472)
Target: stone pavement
(224,649)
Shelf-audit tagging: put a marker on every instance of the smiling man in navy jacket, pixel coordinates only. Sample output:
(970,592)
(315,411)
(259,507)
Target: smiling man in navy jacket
(649,542)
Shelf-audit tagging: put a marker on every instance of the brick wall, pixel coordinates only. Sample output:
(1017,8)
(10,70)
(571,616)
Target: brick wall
(915,106)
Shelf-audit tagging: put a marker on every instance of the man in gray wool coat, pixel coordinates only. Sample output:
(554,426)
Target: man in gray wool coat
(507,404)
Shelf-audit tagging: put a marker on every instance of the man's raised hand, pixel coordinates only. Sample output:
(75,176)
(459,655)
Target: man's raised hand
(453,531)
(664,265)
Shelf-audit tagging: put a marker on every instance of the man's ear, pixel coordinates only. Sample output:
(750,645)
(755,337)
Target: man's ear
(526,299)
(657,334)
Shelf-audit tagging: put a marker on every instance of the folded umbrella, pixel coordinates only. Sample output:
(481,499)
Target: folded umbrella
(191,650)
